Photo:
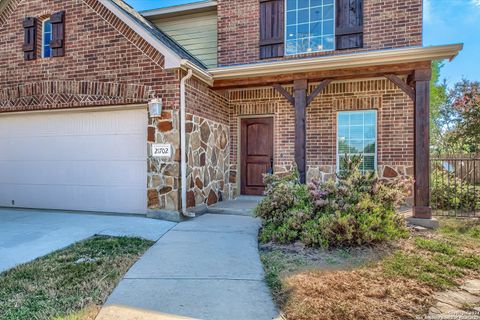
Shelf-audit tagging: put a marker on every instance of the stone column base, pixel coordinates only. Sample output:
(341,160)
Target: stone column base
(431,223)
(167,215)
(176,216)
(422,212)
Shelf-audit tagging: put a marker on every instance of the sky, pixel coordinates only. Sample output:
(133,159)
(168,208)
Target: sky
(445,22)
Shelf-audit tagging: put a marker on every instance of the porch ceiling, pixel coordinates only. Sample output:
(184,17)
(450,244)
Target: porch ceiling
(347,66)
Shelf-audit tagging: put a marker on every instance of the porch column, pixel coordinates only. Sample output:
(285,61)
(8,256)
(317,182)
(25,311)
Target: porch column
(300,94)
(300,101)
(422,209)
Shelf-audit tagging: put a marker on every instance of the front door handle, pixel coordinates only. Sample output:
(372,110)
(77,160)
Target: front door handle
(270,171)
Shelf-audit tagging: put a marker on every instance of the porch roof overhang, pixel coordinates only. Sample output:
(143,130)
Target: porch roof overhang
(363,64)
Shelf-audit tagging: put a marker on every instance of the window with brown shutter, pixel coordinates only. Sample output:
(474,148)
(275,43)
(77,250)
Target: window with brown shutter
(349,24)
(272,25)
(57,44)
(30,38)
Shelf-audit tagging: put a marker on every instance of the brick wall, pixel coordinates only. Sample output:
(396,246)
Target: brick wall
(238,31)
(205,102)
(387,24)
(105,63)
(395,125)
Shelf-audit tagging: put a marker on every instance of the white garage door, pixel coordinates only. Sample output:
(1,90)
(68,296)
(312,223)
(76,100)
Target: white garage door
(86,160)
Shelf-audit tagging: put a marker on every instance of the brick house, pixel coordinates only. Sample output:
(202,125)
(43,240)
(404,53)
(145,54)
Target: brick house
(246,87)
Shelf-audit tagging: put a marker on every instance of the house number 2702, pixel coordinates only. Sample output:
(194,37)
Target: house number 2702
(162,150)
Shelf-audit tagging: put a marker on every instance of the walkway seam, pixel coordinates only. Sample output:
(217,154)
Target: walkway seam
(199,279)
(206,231)
(171,229)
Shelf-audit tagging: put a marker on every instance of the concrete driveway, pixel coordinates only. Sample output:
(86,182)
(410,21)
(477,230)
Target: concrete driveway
(28,234)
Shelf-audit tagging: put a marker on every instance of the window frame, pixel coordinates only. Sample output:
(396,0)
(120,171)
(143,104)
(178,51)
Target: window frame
(285,34)
(338,155)
(43,38)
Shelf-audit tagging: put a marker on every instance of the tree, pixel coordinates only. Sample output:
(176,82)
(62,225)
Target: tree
(438,98)
(464,115)
(454,114)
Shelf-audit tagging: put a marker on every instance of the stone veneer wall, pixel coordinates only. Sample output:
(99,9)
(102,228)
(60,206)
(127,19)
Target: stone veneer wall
(395,125)
(208,162)
(208,152)
(208,130)
(208,159)
(164,174)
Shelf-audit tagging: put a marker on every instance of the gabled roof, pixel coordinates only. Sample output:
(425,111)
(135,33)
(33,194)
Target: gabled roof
(157,33)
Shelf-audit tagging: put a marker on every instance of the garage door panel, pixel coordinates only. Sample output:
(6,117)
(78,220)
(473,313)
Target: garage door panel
(100,199)
(90,161)
(72,173)
(73,124)
(104,147)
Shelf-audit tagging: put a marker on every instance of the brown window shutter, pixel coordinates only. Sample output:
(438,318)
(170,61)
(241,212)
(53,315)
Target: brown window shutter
(30,38)
(272,25)
(349,24)
(58,34)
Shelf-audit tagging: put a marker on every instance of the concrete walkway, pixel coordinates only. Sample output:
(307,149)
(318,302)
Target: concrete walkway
(243,206)
(28,234)
(206,268)
(453,304)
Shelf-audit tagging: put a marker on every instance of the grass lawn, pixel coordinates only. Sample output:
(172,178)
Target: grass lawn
(69,284)
(394,281)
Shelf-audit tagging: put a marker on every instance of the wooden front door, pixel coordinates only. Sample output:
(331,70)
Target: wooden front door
(257,154)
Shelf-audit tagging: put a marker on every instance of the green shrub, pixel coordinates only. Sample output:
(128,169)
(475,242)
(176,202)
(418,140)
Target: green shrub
(285,209)
(356,209)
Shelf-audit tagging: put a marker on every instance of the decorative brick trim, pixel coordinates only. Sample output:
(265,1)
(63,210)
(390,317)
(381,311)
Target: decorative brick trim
(61,94)
(257,93)
(361,86)
(8,10)
(356,87)
(260,108)
(357,103)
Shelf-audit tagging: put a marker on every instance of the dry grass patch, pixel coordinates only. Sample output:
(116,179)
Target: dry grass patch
(69,284)
(88,313)
(394,281)
(362,294)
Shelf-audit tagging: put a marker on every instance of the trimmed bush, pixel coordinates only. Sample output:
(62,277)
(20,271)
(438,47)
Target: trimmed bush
(356,209)
(286,207)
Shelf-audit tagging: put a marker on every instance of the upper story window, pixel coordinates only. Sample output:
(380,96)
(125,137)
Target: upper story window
(52,36)
(46,38)
(309,26)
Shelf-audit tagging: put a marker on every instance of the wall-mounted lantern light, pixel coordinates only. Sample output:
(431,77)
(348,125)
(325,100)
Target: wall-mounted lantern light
(155,107)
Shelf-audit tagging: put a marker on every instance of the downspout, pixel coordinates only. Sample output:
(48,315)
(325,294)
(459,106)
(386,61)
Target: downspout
(183,143)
